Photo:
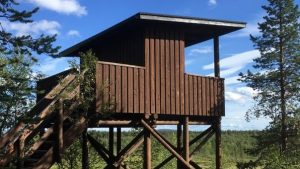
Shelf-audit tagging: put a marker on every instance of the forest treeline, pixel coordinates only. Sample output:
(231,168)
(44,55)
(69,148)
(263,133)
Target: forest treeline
(234,150)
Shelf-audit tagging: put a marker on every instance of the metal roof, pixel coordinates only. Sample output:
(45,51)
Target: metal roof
(196,29)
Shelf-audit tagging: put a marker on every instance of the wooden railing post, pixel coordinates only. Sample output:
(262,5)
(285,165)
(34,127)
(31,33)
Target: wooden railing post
(179,143)
(186,140)
(147,149)
(20,152)
(59,132)
(85,151)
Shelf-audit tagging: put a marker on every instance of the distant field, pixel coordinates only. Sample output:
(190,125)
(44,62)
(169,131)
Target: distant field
(234,144)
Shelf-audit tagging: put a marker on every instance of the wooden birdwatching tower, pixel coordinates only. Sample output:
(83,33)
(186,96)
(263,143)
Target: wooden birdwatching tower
(142,64)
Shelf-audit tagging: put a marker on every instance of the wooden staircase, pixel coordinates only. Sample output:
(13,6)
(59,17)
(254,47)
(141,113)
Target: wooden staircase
(39,144)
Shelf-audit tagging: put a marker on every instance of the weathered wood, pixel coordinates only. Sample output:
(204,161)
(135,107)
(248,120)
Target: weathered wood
(59,132)
(186,140)
(147,150)
(179,144)
(218,143)
(119,139)
(165,144)
(85,151)
(111,141)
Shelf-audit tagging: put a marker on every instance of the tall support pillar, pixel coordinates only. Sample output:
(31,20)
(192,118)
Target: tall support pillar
(179,144)
(217,125)
(119,141)
(147,150)
(85,152)
(111,140)
(186,140)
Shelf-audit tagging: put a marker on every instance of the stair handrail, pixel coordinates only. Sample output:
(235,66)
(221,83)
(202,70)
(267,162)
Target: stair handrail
(12,134)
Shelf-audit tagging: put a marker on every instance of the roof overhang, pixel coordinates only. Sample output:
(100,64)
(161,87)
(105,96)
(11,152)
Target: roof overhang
(196,29)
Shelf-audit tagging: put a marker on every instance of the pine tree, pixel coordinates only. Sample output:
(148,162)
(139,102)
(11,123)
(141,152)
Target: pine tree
(276,78)
(16,61)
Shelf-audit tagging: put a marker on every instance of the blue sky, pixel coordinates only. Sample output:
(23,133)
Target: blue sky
(76,20)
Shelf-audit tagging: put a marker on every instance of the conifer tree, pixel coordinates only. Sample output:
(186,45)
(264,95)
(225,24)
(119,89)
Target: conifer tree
(276,76)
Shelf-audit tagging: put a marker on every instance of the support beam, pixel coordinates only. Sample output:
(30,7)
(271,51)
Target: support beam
(129,149)
(20,152)
(179,144)
(104,153)
(111,140)
(197,138)
(147,150)
(216,57)
(85,151)
(201,144)
(165,144)
(59,132)
(119,139)
(186,140)
(218,143)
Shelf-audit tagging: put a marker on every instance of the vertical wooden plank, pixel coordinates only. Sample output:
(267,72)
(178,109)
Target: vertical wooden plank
(162,73)
(218,143)
(177,71)
(179,144)
(99,83)
(124,89)
(142,90)
(111,141)
(147,72)
(152,72)
(112,80)
(200,101)
(168,74)
(136,99)
(191,95)
(130,89)
(157,73)
(119,139)
(172,59)
(212,99)
(118,89)
(186,139)
(195,93)
(186,94)
(147,149)
(204,95)
(106,83)
(208,96)
(216,97)
(181,74)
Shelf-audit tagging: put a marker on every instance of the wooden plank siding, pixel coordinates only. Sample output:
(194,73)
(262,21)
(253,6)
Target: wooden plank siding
(160,86)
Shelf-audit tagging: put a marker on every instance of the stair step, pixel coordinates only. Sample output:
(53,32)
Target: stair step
(46,145)
(38,153)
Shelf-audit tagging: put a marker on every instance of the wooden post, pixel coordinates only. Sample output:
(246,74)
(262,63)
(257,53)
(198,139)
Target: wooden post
(186,140)
(179,143)
(59,132)
(147,149)
(20,152)
(119,141)
(111,141)
(218,143)
(216,56)
(85,151)
(218,120)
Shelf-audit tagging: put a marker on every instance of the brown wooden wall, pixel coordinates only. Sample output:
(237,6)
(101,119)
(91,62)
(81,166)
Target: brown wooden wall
(120,85)
(125,86)
(122,48)
(164,62)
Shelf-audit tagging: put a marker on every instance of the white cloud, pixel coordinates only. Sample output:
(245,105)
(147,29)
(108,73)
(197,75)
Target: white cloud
(232,80)
(212,2)
(70,7)
(73,33)
(240,95)
(189,61)
(34,28)
(201,50)
(235,63)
